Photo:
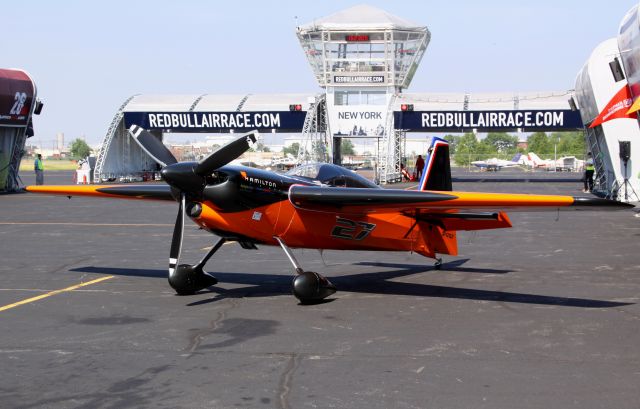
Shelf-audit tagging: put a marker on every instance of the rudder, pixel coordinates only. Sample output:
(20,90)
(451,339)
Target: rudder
(437,169)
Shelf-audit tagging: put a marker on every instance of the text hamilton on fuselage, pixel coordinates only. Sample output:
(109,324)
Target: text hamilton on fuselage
(491,119)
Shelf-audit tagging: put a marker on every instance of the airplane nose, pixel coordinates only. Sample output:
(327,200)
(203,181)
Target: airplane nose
(167,174)
(170,175)
(181,176)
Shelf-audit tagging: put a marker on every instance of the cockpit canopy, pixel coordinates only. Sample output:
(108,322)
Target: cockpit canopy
(331,175)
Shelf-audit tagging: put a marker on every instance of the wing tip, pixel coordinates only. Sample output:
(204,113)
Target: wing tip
(32,188)
(590,202)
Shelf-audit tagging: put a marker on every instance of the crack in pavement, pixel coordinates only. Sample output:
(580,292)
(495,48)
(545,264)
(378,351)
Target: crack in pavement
(67,265)
(286,380)
(197,335)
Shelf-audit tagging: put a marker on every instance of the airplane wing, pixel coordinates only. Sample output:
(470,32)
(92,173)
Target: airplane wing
(358,200)
(145,192)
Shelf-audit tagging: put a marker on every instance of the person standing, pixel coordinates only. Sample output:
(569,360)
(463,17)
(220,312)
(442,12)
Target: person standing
(589,170)
(405,175)
(419,167)
(38,166)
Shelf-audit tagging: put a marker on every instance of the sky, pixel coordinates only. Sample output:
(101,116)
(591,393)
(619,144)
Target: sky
(88,57)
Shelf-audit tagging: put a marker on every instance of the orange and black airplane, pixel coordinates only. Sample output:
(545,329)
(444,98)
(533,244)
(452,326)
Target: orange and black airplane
(318,206)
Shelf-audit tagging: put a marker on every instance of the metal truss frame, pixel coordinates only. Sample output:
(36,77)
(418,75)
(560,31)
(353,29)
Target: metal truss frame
(314,146)
(106,143)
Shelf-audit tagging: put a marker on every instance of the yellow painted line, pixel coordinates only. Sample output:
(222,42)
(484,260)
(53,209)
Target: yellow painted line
(49,294)
(411,187)
(88,224)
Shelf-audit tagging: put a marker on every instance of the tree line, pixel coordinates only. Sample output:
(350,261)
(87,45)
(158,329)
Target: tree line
(467,148)
(346,148)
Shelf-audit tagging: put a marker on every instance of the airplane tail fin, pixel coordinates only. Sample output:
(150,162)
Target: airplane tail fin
(437,170)
(516,158)
(535,159)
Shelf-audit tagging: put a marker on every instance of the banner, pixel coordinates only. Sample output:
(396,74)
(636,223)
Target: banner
(358,121)
(16,97)
(618,107)
(291,121)
(483,121)
(358,79)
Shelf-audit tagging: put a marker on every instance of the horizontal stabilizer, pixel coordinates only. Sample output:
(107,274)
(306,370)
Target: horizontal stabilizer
(455,221)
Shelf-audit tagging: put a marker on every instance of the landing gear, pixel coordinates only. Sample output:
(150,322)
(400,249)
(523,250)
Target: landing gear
(308,287)
(311,287)
(187,279)
(438,264)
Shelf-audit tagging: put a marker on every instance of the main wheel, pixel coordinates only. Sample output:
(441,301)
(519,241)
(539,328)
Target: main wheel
(311,287)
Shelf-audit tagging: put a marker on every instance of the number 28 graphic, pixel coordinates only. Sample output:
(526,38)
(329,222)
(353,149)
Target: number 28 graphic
(20,99)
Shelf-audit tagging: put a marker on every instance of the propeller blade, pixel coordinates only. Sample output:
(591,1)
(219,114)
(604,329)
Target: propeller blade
(176,241)
(152,145)
(226,154)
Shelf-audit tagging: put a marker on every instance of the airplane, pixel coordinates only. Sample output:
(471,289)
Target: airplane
(283,163)
(316,205)
(351,164)
(536,162)
(496,164)
(568,163)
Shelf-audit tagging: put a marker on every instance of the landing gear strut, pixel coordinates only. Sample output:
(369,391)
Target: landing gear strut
(187,279)
(308,287)
(438,264)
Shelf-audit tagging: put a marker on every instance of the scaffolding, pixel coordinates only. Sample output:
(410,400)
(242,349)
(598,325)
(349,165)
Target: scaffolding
(98,173)
(13,178)
(390,152)
(604,180)
(314,146)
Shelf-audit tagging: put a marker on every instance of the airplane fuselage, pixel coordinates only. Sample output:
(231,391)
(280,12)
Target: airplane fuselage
(252,205)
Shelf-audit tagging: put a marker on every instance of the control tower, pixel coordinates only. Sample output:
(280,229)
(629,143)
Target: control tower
(363,57)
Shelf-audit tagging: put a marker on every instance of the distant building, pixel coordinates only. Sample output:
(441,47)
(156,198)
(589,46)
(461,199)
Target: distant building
(60,141)
(523,145)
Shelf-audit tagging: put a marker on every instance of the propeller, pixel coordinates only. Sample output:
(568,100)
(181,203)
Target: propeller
(153,146)
(176,239)
(226,154)
(188,178)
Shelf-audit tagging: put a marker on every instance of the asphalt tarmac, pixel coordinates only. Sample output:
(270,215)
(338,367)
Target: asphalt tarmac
(543,315)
